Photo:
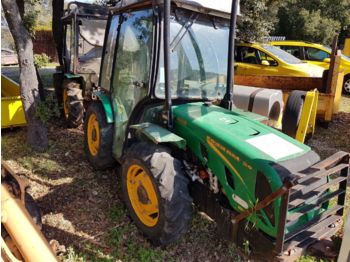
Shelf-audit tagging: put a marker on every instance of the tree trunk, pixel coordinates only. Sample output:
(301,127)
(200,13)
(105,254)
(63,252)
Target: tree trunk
(57,27)
(37,131)
(20,4)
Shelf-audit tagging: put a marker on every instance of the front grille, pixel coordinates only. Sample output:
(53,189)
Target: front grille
(313,206)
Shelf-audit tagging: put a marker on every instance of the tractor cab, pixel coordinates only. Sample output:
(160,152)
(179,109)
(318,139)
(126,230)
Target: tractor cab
(133,73)
(83,27)
(84,30)
(164,111)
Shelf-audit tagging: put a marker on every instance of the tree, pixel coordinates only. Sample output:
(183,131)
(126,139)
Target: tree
(57,27)
(36,130)
(258,19)
(314,20)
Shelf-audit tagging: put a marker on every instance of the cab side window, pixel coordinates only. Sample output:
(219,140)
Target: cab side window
(293,50)
(315,54)
(250,55)
(133,59)
(264,56)
(106,72)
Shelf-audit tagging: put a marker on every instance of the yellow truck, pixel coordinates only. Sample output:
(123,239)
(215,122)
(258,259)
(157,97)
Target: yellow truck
(12,113)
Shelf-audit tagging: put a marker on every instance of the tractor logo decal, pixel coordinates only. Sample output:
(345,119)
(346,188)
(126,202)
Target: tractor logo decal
(181,121)
(215,146)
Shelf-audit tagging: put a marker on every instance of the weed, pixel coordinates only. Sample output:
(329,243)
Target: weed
(72,256)
(143,254)
(48,109)
(246,247)
(116,213)
(41,60)
(232,252)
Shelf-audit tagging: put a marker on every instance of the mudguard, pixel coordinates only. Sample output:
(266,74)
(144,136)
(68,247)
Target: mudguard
(107,105)
(159,135)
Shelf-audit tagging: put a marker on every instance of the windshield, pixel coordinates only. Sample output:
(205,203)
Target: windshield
(342,55)
(281,54)
(198,60)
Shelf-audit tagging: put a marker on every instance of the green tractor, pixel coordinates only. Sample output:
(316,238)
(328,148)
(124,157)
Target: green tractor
(83,27)
(163,110)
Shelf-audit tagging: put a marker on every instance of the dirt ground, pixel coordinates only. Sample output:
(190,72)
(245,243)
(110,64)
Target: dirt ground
(82,210)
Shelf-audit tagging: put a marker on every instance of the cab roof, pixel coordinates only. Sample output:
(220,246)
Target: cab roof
(221,8)
(86,10)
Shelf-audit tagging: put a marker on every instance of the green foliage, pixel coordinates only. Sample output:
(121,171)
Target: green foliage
(48,109)
(117,213)
(72,256)
(314,20)
(257,20)
(30,20)
(41,60)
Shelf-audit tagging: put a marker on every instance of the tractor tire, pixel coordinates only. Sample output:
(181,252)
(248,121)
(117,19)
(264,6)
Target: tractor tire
(73,108)
(155,191)
(346,85)
(98,137)
(292,113)
(33,209)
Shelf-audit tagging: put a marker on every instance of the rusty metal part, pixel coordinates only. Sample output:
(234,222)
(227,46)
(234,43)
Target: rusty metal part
(24,241)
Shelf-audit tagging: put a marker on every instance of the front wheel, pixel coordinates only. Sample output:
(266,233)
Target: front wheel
(155,191)
(98,137)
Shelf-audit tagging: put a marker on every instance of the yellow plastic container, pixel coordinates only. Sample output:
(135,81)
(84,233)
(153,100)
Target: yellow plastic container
(12,113)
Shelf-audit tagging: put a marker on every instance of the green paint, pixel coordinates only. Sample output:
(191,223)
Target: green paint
(104,98)
(120,123)
(224,133)
(71,76)
(158,134)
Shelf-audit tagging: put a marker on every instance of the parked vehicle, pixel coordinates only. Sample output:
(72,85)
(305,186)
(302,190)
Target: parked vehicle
(264,59)
(84,29)
(316,54)
(164,111)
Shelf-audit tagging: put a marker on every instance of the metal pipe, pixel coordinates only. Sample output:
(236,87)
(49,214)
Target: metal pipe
(20,226)
(168,102)
(227,102)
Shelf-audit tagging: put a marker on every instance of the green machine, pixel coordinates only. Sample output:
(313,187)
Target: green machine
(83,27)
(163,111)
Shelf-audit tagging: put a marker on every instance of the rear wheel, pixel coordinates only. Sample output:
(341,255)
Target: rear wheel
(156,194)
(98,136)
(72,99)
(292,113)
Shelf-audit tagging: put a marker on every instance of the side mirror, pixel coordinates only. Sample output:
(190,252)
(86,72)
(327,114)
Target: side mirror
(327,60)
(265,62)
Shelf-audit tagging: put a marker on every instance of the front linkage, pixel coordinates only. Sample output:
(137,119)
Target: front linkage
(321,187)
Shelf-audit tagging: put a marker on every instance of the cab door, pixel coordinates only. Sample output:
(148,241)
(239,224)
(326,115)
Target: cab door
(130,75)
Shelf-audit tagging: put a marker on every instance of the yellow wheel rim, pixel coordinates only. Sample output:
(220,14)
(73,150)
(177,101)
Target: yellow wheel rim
(142,195)
(65,103)
(93,134)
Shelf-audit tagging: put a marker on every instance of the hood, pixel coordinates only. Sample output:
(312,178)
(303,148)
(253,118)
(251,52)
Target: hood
(236,131)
